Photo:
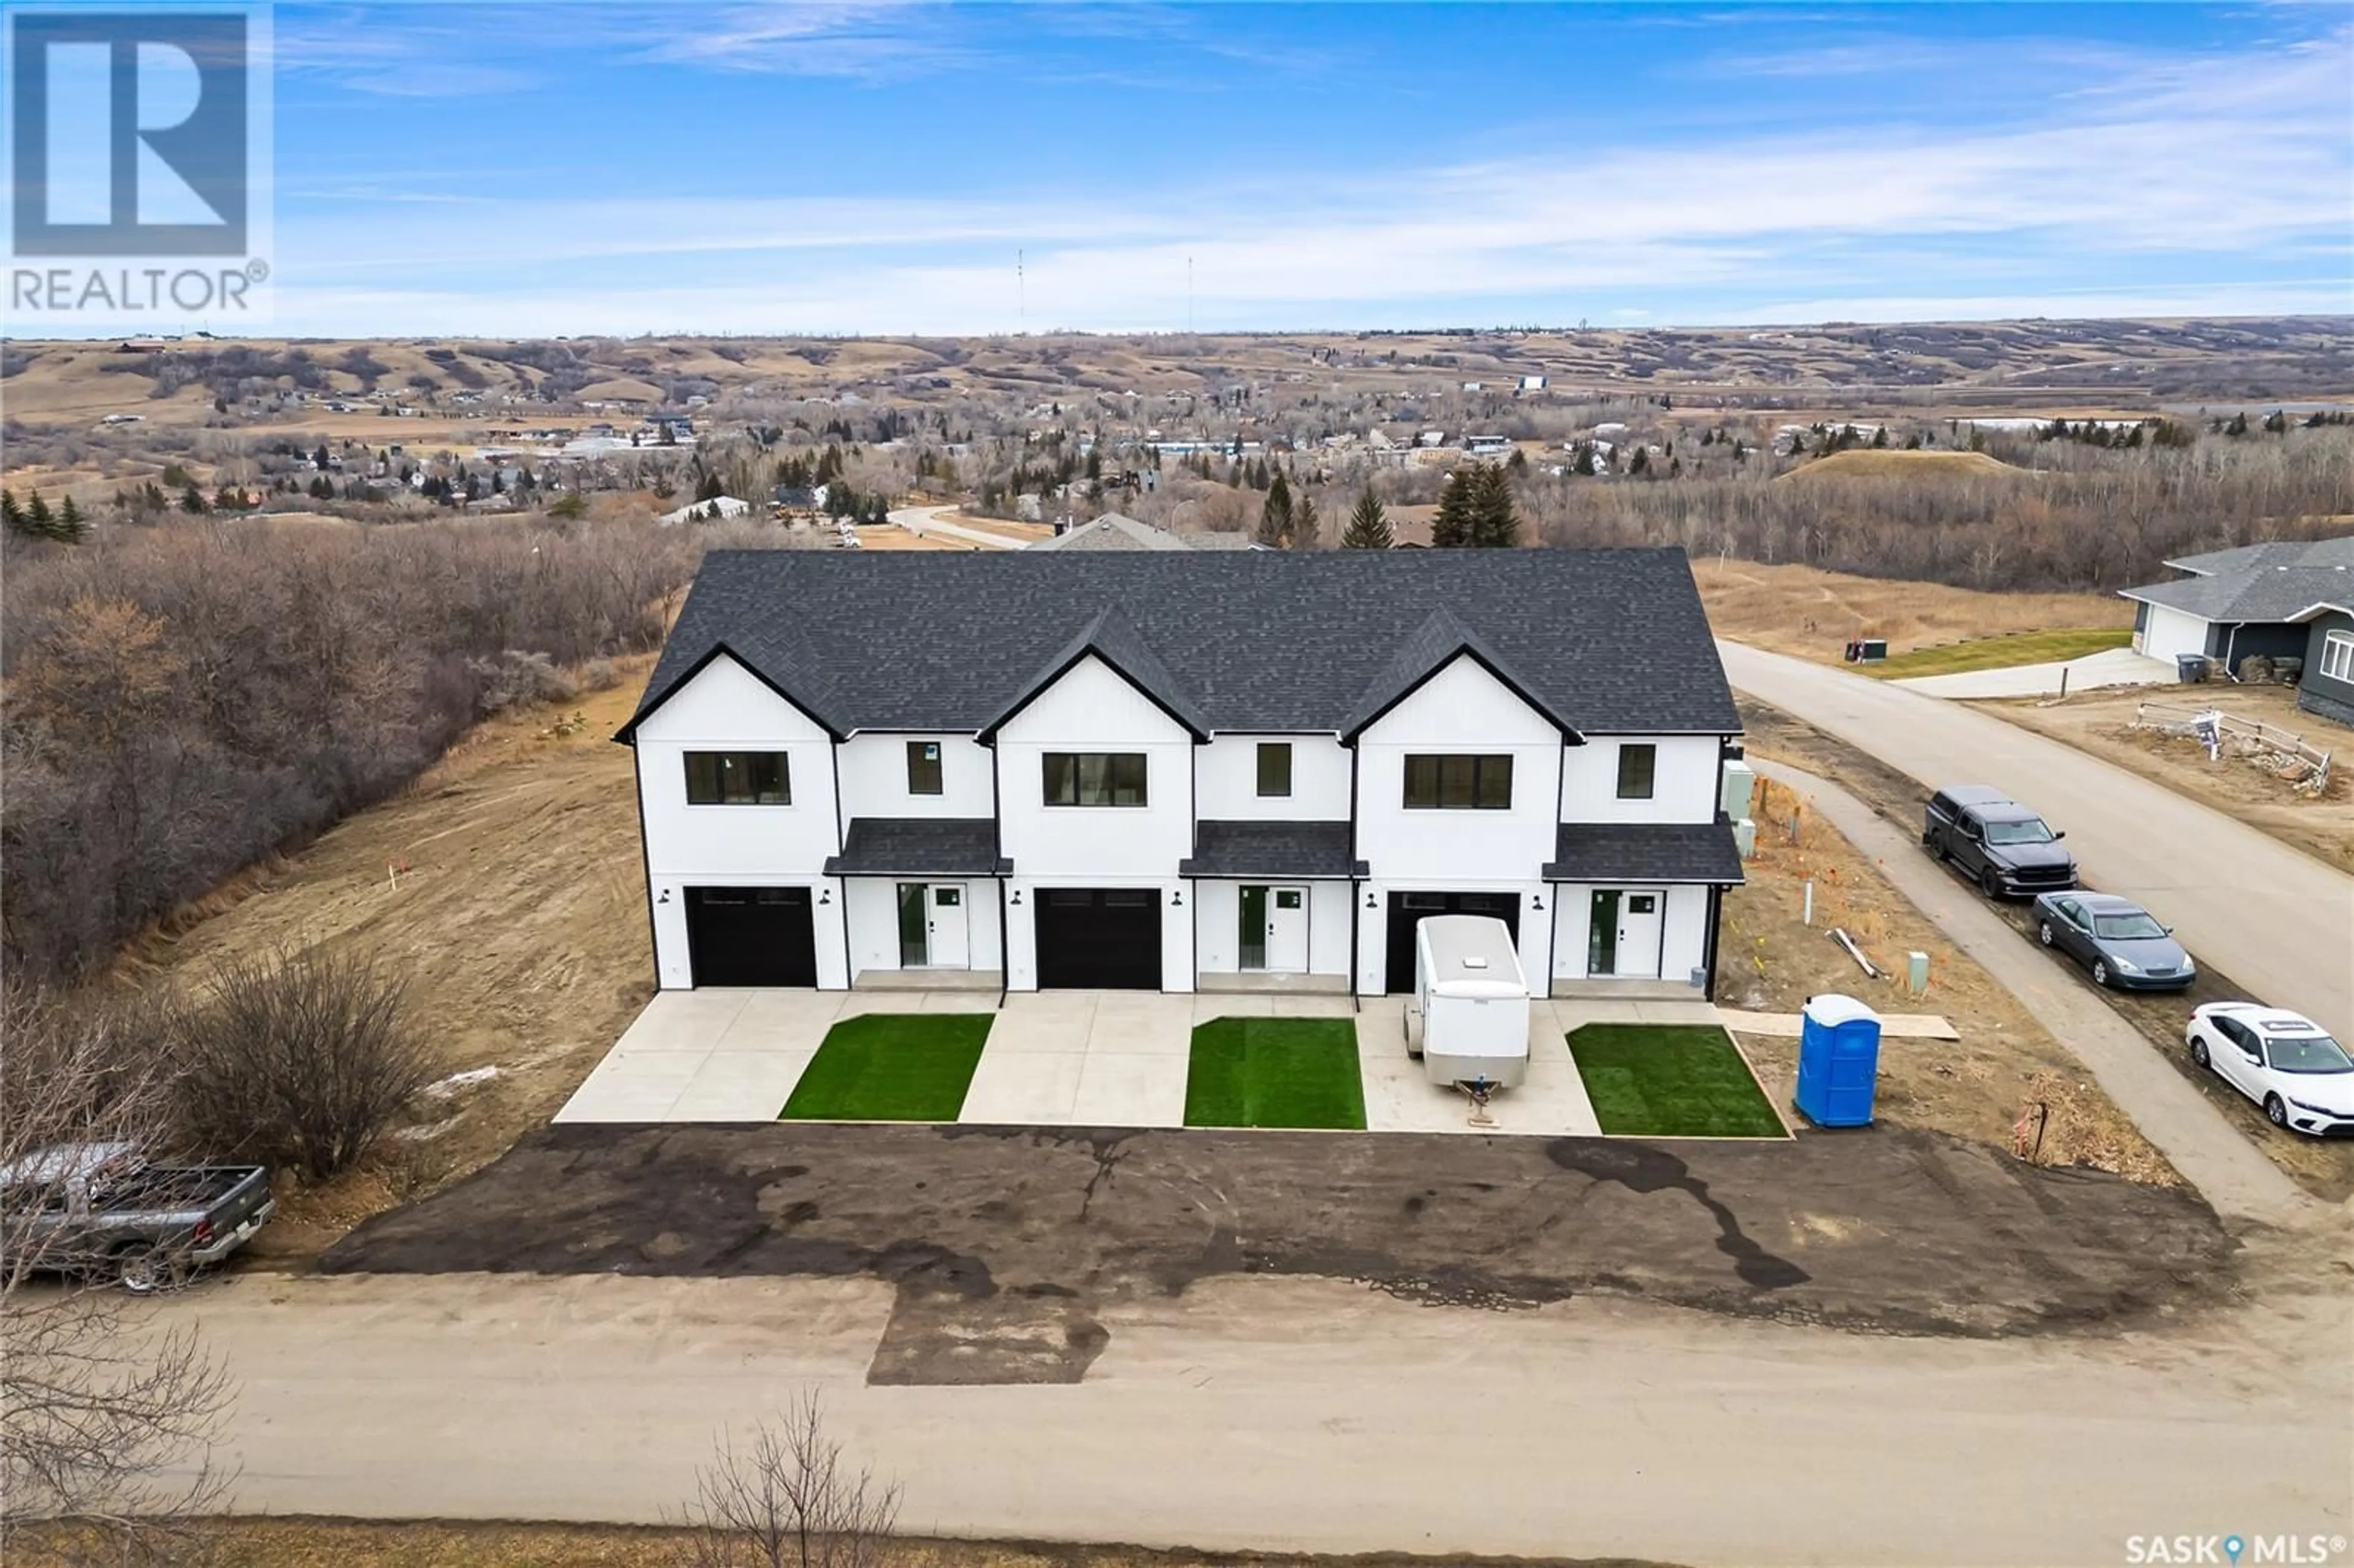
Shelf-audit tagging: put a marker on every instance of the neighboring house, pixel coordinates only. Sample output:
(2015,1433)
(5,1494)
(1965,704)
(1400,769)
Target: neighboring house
(2281,601)
(1113,531)
(704,511)
(1164,772)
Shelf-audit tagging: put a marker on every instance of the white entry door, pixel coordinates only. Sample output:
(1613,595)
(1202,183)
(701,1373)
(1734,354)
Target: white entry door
(947,943)
(1640,919)
(1287,930)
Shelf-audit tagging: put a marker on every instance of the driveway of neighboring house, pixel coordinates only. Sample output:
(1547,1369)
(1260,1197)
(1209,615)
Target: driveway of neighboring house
(1076,1058)
(2109,667)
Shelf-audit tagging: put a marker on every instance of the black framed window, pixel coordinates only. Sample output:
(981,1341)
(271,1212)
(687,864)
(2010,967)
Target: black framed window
(1274,768)
(923,768)
(739,778)
(1095,778)
(1638,766)
(1483,783)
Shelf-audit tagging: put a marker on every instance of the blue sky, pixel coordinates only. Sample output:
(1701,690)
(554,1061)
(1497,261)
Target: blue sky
(857,167)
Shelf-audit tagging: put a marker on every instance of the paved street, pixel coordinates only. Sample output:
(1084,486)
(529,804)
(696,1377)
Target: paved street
(2212,1154)
(1306,1413)
(929,522)
(2111,667)
(2274,919)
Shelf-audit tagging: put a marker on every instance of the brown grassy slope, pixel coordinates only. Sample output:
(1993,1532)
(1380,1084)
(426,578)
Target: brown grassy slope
(1878,464)
(507,885)
(1810,612)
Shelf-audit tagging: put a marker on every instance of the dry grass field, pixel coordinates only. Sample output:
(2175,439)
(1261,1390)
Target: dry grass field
(1811,613)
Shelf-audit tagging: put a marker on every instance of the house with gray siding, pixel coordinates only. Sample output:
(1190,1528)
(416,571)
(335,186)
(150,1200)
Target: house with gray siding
(2286,599)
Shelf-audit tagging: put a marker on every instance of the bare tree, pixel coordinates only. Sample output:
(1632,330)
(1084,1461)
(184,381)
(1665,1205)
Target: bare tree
(107,1417)
(788,1498)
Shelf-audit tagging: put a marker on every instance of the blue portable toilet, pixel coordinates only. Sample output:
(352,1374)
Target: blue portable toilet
(1839,1061)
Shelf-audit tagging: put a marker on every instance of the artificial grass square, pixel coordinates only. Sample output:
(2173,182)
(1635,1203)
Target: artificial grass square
(891,1066)
(1275,1071)
(1660,1080)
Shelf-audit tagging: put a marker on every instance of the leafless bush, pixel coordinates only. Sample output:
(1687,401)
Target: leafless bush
(516,678)
(106,1419)
(297,1060)
(789,1498)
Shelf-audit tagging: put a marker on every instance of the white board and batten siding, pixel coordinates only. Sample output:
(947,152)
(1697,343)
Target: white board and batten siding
(873,921)
(1683,934)
(1686,775)
(1227,771)
(1460,709)
(726,708)
(874,777)
(1094,708)
(1217,921)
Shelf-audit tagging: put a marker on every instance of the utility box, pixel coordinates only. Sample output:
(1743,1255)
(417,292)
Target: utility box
(1839,1061)
(1738,792)
(1874,650)
(1745,838)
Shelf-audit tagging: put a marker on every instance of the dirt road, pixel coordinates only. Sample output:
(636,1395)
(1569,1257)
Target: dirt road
(1305,1413)
(2278,921)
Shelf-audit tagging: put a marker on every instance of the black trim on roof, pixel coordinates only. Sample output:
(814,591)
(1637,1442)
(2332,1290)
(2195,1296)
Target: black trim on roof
(1436,645)
(919,846)
(628,734)
(1111,638)
(1639,852)
(1309,851)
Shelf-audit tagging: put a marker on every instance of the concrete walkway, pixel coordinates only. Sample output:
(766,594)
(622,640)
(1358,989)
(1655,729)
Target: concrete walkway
(2272,917)
(926,521)
(2109,667)
(2212,1154)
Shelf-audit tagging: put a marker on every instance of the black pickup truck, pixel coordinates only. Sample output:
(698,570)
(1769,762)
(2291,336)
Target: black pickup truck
(100,1209)
(2002,845)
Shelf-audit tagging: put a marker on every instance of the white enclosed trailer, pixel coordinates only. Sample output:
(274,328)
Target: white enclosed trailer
(1469,1017)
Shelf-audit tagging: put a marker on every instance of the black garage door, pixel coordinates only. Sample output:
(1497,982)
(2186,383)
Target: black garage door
(1407,910)
(751,936)
(1105,939)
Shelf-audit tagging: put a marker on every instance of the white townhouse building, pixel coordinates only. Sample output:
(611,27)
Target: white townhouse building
(1179,772)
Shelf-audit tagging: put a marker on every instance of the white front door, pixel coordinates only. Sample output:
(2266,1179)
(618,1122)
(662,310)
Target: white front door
(948,944)
(1287,930)
(1640,921)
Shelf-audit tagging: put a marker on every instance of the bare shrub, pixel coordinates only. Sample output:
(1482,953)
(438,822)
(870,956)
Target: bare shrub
(106,1419)
(298,1059)
(516,678)
(790,1497)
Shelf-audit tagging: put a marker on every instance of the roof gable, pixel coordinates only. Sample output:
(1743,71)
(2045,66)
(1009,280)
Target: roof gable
(1437,643)
(1112,640)
(1264,642)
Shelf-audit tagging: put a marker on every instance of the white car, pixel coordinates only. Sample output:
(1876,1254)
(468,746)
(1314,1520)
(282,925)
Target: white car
(2283,1060)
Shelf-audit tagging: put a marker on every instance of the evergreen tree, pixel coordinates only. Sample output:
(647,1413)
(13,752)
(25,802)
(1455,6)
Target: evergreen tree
(71,526)
(1452,528)
(1880,436)
(1640,462)
(12,515)
(1368,525)
(1494,524)
(192,500)
(1307,530)
(37,517)
(1275,516)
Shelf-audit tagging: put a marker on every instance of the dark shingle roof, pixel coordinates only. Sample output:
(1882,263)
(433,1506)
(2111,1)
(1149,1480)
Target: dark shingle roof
(1271,849)
(1646,852)
(2270,582)
(917,846)
(1605,641)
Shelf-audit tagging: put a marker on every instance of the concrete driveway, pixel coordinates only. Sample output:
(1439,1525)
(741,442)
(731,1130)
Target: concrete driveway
(2110,667)
(1078,1058)
(2270,917)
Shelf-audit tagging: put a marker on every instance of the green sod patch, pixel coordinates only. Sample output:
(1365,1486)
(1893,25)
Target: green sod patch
(1659,1080)
(2002,652)
(887,1066)
(1275,1071)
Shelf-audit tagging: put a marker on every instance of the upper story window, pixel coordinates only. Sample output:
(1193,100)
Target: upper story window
(2338,655)
(923,768)
(1095,778)
(739,778)
(1638,766)
(1274,769)
(1459,783)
